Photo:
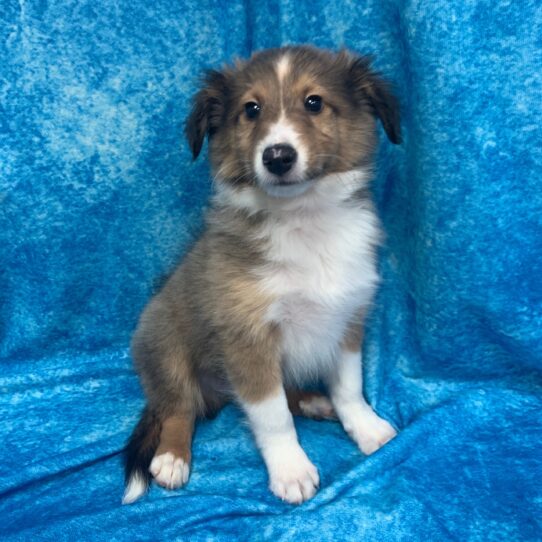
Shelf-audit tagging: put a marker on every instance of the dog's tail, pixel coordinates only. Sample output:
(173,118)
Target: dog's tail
(138,455)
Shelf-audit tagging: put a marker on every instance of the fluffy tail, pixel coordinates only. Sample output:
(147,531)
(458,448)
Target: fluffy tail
(138,455)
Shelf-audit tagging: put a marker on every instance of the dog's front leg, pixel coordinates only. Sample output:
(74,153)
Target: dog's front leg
(253,363)
(292,476)
(368,430)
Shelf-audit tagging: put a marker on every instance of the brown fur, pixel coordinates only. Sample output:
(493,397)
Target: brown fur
(203,340)
(176,436)
(354,335)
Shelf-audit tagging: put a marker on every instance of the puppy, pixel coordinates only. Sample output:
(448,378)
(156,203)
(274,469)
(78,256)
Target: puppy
(273,295)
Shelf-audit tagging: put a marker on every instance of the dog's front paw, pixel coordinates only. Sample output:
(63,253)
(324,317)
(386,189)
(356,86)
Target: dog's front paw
(169,470)
(292,477)
(369,431)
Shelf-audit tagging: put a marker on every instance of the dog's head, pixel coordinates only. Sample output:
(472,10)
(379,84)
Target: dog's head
(287,117)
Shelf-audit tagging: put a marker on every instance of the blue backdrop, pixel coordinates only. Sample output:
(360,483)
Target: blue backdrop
(99,199)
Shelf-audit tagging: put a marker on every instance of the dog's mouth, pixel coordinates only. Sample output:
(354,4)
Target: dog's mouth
(284,187)
(287,182)
(291,184)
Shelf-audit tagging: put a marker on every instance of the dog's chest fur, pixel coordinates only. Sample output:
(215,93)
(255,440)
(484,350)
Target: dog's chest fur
(320,270)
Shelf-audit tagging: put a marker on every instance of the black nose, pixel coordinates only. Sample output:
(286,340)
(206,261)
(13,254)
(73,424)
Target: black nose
(279,159)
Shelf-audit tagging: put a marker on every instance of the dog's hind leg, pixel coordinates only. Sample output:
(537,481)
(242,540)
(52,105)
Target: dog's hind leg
(170,465)
(310,404)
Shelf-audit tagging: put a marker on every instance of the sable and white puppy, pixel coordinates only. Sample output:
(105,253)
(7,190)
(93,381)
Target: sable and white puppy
(273,295)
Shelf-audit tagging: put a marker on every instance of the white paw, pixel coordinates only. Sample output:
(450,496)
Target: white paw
(169,471)
(369,431)
(292,477)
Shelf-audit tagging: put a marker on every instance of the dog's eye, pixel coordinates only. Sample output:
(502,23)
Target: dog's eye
(252,110)
(313,103)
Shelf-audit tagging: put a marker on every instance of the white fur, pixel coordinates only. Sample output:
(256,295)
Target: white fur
(169,471)
(283,67)
(327,191)
(292,477)
(366,428)
(320,269)
(282,132)
(136,488)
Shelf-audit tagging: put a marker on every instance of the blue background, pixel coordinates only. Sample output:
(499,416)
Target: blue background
(99,199)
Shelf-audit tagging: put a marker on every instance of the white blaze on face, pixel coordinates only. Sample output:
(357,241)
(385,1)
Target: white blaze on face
(282,132)
(283,67)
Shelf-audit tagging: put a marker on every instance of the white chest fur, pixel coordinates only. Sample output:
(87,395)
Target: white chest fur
(320,269)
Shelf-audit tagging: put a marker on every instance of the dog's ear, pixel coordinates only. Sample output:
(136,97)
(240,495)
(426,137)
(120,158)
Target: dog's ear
(371,88)
(208,110)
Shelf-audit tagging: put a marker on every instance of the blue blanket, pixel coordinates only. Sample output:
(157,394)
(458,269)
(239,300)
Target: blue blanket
(99,199)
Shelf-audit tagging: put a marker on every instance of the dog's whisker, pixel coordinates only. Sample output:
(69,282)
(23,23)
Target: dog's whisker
(336,156)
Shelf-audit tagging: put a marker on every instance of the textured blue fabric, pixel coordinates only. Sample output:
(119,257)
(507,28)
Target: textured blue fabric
(99,199)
